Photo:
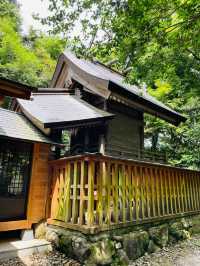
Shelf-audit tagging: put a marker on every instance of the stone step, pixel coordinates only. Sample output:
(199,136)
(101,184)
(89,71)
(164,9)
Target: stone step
(21,248)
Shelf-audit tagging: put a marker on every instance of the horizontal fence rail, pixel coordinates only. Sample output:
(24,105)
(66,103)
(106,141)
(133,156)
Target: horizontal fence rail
(137,154)
(100,192)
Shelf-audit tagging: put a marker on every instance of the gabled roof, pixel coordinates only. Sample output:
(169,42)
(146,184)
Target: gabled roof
(17,126)
(15,89)
(49,110)
(108,83)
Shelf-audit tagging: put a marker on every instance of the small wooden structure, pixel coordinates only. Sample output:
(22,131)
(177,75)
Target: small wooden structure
(102,112)
(24,155)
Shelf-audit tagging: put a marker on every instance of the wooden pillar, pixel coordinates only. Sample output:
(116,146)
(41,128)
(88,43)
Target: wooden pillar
(102,144)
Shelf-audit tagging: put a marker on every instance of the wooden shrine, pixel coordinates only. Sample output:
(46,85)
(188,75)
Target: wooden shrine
(102,177)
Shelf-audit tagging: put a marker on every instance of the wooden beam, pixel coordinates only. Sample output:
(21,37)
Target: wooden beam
(15,89)
(15,225)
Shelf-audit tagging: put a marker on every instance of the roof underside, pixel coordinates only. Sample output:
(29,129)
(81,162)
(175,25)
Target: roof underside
(61,110)
(15,89)
(102,79)
(17,126)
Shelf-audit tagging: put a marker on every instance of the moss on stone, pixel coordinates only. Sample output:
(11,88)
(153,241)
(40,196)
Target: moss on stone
(136,244)
(65,245)
(159,235)
(102,253)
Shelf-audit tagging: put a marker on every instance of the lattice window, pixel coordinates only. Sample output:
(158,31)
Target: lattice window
(15,164)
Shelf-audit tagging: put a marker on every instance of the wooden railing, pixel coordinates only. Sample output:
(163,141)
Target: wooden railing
(134,153)
(92,193)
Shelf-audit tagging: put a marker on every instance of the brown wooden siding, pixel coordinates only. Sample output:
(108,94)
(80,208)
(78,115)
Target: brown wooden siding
(125,131)
(38,190)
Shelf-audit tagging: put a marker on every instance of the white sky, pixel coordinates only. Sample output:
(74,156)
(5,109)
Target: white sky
(27,8)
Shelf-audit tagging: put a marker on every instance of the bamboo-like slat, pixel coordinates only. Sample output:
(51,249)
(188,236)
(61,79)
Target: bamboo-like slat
(82,193)
(90,212)
(101,192)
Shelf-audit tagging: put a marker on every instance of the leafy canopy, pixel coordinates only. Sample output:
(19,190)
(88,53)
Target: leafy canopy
(159,41)
(28,59)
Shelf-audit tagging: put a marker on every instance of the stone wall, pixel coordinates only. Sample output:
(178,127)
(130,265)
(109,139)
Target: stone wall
(119,246)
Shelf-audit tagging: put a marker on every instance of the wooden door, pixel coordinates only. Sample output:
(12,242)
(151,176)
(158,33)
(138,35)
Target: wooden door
(15,168)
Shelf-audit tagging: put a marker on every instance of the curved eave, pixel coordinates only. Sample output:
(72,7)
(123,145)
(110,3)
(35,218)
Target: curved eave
(148,106)
(79,74)
(105,88)
(78,123)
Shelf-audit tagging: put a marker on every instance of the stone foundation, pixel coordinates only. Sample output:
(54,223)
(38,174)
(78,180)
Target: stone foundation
(119,246)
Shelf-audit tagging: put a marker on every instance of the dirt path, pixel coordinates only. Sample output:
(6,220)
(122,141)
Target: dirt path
(184,253)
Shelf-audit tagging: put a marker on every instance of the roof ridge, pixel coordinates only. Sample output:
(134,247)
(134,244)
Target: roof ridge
(107,67)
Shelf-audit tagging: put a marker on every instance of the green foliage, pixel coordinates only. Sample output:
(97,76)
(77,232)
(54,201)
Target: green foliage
(30,59)
(160,40)
(162,89)
(10,10)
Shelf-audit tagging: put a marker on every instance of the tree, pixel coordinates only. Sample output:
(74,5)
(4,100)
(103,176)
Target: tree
(28,59)
(159,41)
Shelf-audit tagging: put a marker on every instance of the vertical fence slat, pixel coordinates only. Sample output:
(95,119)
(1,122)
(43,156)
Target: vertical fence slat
(197,187)
(184,192)
(142,192)
(153,192)
(147,177)
(67,189)
(61,210)
(82,193)
(133,191)
(123,193)
(108,201)
(54,194)
(166,191)
(130,193)
(157,192)
(191,192)
(90,212)
(115,184)
(100,193)
(162,190)
(187,192)
(74,200)
(194,190)
(171,189)
(178,191)
(137,205)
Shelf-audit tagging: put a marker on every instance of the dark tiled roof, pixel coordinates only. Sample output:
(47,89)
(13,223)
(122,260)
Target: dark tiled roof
(15,125)
(53,109)
(111,79)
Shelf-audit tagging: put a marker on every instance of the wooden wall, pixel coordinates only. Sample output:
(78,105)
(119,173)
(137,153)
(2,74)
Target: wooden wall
(38,190)
(126,129)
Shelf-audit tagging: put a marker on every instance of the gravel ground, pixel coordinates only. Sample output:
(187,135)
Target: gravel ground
(184,253)
(52,258)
